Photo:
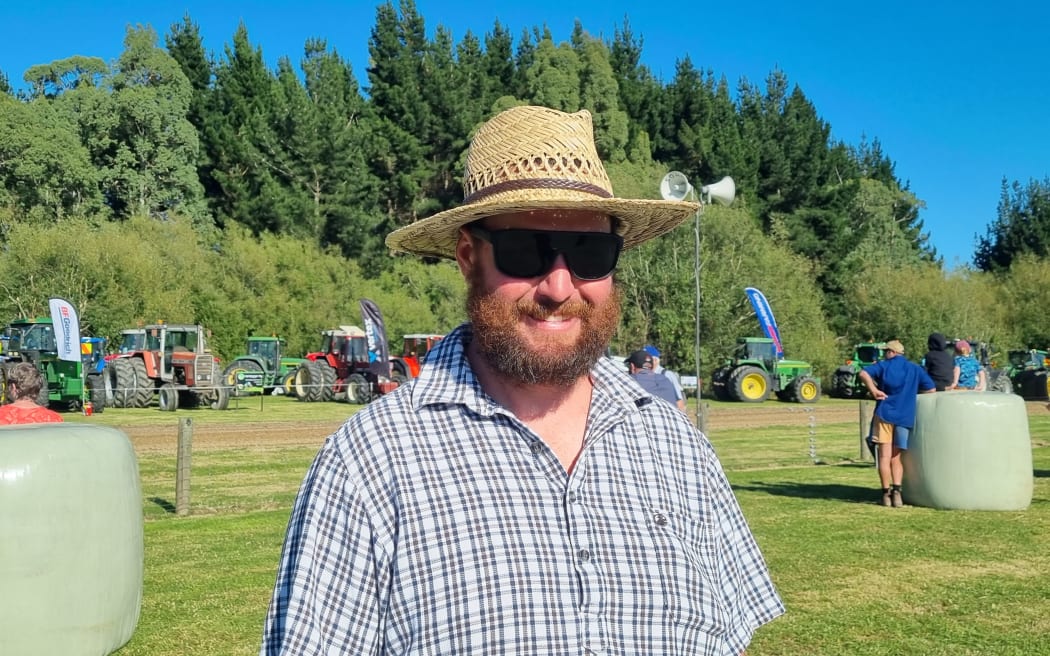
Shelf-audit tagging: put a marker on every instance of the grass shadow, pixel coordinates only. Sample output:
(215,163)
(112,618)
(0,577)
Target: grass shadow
(1042,473)
(830,491)
(164,504)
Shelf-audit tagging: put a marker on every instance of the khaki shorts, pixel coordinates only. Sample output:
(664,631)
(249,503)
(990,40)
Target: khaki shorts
(882,433)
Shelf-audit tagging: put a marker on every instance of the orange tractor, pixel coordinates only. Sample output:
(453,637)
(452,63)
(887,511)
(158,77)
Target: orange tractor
(173,362)
(341,370)
(415,350)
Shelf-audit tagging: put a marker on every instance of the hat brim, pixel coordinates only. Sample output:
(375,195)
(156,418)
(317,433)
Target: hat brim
(638,220)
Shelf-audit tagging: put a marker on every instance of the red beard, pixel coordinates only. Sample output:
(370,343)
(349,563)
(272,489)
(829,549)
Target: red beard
(522,359)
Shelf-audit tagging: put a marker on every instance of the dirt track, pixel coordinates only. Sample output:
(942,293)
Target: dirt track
(162,438)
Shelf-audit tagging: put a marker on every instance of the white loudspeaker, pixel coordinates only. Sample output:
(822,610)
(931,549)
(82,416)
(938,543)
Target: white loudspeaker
(724,191)
(675,186)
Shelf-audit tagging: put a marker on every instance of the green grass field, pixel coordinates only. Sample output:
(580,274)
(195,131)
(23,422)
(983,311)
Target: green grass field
(857,578)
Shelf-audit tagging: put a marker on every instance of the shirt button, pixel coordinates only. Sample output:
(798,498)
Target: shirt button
(537,447)
(572,497)
(660,519)
(583,555)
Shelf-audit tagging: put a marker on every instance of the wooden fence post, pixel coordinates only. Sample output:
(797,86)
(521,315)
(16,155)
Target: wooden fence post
(182,467)
(867,409)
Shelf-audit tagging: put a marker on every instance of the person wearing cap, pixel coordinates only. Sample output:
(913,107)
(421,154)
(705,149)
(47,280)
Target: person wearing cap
(523,494)
(641,366)
(679,393)
(968,373)
(894,383)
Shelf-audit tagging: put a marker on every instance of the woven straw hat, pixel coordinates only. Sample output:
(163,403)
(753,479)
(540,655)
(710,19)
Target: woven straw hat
(536,158)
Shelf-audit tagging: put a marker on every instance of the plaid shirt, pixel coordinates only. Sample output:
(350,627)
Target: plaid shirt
(435,522)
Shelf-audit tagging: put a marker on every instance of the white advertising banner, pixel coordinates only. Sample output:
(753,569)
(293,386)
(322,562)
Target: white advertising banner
(67,329)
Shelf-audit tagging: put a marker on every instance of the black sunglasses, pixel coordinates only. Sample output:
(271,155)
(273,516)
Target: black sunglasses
(520,253)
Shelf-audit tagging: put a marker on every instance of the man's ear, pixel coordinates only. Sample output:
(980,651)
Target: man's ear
(466,253)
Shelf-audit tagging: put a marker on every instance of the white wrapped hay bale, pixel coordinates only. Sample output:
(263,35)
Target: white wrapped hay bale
(969,451)
(70,540)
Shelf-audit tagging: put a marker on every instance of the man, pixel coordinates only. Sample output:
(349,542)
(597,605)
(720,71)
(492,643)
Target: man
(679,393)
(640,365)
(894,383)
(522,496)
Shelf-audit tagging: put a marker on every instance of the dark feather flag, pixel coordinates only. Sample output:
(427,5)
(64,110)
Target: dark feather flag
(375,333)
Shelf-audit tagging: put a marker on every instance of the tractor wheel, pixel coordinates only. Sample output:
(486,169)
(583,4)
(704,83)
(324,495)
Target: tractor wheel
(358,390)
(399,378)
(143,384)
(301,382)
(309,381)
(233,376)
(109,379)
(96,384)
(842,384)
(721,385)
(124,383)
(168,398)
(328,375)
(998,381)
(750,384)
(288,383)
(220,399)
(805,389)
(399,367)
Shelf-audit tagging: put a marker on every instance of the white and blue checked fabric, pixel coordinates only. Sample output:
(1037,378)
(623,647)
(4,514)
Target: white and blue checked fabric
(435,522)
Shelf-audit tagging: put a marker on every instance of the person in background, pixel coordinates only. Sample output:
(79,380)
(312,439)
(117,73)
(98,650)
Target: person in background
(641,367)
(676,382)
(939,363)
(523,495)
(968,373)
(24,382)
(894,383)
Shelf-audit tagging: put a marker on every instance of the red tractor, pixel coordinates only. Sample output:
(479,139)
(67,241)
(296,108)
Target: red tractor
(341,370)
(415,350)
(173,362)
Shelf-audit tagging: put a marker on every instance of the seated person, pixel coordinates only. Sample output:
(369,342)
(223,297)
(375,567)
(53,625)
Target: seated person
(969,375)
(24,383)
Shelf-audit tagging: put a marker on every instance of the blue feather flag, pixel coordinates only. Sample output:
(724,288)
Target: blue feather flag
(765,318)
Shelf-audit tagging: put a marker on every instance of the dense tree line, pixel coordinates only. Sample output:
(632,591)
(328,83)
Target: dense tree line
(222,191)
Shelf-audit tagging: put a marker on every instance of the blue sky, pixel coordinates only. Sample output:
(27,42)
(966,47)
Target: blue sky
(958,93)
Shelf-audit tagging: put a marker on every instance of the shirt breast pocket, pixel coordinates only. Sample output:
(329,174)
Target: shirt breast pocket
(689,562)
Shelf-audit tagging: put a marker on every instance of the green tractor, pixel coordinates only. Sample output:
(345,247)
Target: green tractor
(846,383)
(262,369)
(1027,371)
(33,340)
(755,371)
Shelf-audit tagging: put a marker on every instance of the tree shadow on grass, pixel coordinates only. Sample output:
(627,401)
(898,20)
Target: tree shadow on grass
(830,491)
(165,505)
(1042,473)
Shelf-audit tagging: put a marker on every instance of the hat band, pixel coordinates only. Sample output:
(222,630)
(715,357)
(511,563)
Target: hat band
(536,183)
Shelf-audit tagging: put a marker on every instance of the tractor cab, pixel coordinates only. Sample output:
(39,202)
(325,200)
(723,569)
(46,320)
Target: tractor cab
(132,339)
(267,350)
(32,337)
(348,344)
(757,350)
